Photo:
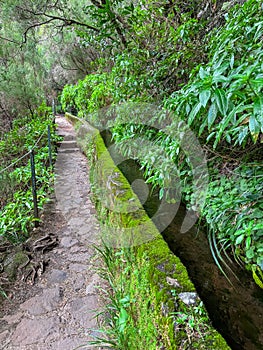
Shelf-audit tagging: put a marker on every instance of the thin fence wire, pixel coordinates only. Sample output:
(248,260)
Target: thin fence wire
(30,153)
(25,155)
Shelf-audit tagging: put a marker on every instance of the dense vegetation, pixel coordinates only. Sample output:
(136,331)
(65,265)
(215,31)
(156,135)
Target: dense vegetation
(198,62)
(221,100)
(16,206)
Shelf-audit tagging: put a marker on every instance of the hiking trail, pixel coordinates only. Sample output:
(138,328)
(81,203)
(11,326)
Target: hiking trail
(59,310)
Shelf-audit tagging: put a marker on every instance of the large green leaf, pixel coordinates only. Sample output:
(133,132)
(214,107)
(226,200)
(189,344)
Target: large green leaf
(203,73)
(194,112)
(204,97)
(212,114)
(254,127)
(258,106)
(258,111)
(242,135)
(221,101)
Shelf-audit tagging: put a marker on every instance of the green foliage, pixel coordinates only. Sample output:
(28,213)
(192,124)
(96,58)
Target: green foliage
(16,218)
(191,320)
(88,95)
(18,141)
(159,53)
(159,170)
(129,322)
(23,74)
(223,100)
(234,212)
(138,294)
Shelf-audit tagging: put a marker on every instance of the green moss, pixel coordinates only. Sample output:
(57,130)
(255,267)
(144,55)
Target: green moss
(215,341)
(141,272)
(13,262)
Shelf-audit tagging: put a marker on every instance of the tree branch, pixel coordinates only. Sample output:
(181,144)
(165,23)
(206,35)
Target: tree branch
(34,26)
(67,22)
(9,40)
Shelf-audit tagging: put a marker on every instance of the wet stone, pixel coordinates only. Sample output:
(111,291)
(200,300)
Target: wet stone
(81,257)
(11,319)
(84,310)
(62,315)
(79,283)
(92,287)
(69,344)
(3,336)
(78,249)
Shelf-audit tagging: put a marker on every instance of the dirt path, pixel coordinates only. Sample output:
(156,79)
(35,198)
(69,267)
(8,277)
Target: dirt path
(58,311)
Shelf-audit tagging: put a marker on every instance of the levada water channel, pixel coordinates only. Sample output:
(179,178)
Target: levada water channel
(236,309)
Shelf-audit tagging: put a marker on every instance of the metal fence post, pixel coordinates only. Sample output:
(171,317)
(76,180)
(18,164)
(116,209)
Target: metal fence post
(49,146)
(34,190)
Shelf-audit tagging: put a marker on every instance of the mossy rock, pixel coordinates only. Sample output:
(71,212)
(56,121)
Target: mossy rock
(12,262)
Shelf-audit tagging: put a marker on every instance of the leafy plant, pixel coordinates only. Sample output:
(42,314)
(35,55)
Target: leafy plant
(16,210)
(192,320)
(234,213)
(223,99)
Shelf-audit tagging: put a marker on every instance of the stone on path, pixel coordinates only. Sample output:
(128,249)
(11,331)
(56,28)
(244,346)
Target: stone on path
(60,312)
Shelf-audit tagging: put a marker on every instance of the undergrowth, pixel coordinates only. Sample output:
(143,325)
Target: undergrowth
(131,320)
(129,315)
(16,211)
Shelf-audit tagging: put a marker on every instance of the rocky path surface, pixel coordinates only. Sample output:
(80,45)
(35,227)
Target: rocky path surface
(58,311)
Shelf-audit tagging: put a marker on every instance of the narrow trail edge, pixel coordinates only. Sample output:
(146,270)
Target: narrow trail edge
(60,310)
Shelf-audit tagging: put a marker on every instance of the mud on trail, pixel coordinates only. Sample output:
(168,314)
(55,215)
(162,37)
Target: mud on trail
(55,299)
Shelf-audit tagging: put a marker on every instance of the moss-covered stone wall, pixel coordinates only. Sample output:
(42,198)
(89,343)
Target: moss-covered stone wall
(161,274)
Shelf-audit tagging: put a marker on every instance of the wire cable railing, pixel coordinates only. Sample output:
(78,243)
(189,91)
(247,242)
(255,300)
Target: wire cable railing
(31,154)
(23,156)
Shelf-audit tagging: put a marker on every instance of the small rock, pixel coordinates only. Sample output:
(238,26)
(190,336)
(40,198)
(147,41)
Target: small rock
(12,263)
(173,282)
(13,318)
(78,249)
(92,288)
(3,336)
(79,282)
(83,310)
(189,298)
(69,343)
(161,267)
(81,257)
